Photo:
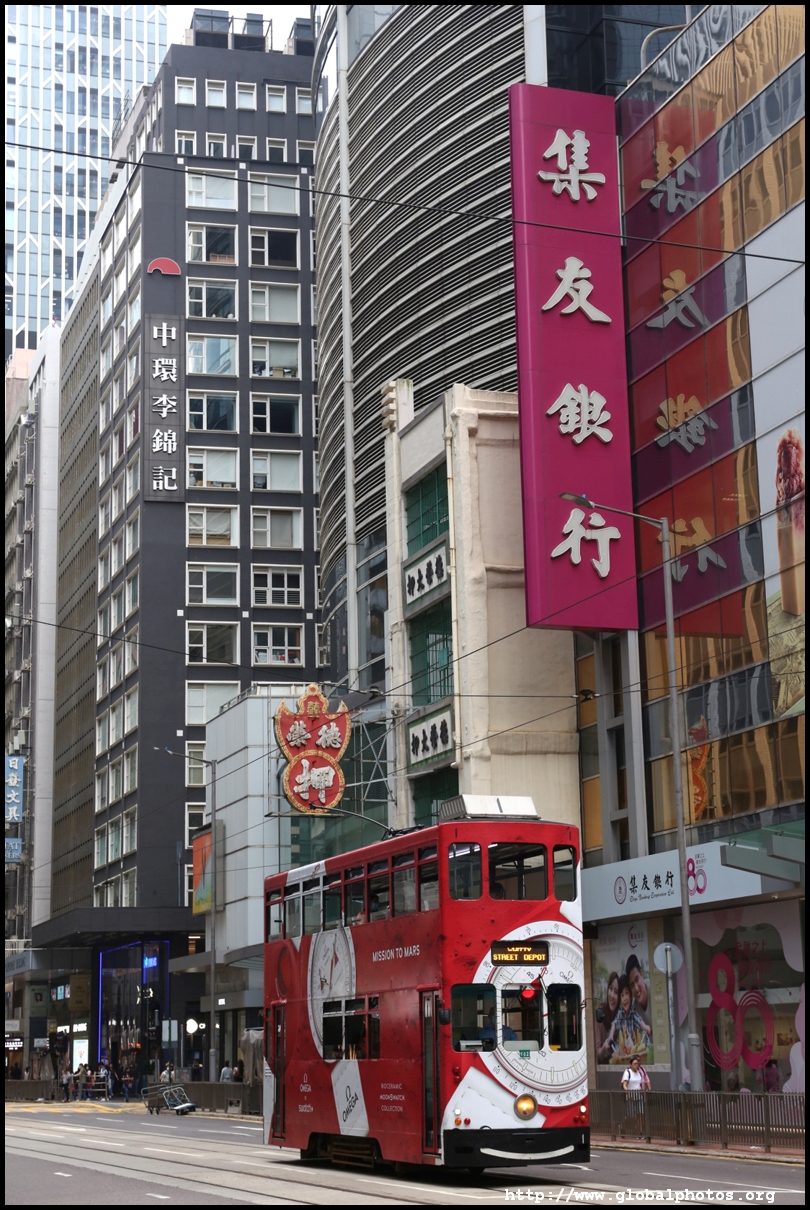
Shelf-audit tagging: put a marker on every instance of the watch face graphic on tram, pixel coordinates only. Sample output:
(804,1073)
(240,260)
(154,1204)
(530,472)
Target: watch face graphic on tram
(553,1077)
(330,976)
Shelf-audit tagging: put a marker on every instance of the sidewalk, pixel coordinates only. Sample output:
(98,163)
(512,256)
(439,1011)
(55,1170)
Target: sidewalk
(605,1143)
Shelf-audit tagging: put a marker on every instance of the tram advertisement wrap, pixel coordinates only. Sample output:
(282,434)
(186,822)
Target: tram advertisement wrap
(405,1029)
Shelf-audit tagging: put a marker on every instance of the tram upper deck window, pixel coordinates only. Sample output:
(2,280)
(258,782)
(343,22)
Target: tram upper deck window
(379,891)
(517,871)
(472,1014)
(565,872)
(522,1018)
(464,869)
(564,1016)
(428,879)
(292,912)
(354,903)
(273,915)
(404,884)
(332,901)
(312,906)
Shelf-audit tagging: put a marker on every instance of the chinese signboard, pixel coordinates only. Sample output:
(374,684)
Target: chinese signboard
(572,380)
(15,774)
(430,738)
(313,740)
(426,575)
(164,410)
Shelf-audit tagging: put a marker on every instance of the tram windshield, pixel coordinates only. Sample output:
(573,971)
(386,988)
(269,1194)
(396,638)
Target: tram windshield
(472,1009)
(522,1018)
(517,871)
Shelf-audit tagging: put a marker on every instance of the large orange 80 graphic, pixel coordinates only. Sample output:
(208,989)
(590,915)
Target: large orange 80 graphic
(727,1059)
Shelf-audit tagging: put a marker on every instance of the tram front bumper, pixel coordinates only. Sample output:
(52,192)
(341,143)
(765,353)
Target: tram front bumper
(505,1148)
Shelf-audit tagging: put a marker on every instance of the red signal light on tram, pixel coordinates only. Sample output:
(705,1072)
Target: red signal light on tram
(528,993)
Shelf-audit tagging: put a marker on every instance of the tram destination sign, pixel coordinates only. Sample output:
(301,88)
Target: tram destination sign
(532,952)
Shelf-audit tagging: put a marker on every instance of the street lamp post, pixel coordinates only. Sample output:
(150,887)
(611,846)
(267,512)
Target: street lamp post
(662,524)
(212,1049)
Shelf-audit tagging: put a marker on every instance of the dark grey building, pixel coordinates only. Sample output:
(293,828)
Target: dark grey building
(189,546)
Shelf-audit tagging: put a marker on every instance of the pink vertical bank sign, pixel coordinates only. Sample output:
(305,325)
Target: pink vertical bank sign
(572,377)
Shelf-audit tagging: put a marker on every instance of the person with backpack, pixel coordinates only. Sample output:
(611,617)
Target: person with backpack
(635,1083)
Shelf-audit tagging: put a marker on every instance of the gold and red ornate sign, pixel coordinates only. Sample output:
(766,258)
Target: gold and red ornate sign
(313,740)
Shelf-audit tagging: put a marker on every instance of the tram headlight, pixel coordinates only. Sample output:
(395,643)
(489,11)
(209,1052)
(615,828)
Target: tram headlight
(525,1107)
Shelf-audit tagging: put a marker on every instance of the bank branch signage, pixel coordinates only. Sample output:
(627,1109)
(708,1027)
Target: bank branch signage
(572,377)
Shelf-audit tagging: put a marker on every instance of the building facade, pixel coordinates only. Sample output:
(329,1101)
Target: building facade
(712,168)
(501,719)
(431,298)
(31,452)
(72,70)
(188,516)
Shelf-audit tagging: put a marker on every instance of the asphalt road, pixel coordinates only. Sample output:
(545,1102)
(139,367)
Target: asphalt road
(75,1155)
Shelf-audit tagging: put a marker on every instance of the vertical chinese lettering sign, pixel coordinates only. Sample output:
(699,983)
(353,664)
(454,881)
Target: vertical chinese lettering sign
(164,410)
(15,774)
(313,741)
(572,375)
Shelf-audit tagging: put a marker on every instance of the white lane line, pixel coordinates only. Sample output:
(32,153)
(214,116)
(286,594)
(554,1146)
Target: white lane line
(164,1197)
(715,1180)
(172,1151)
(63,1174)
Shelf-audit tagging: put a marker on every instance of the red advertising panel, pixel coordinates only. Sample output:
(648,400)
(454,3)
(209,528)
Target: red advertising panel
(572,377)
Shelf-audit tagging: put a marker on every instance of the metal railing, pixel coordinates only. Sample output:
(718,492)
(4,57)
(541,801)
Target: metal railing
(717,1119)
(32,1090)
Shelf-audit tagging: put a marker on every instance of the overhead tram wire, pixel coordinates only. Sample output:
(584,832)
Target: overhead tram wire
(414,207)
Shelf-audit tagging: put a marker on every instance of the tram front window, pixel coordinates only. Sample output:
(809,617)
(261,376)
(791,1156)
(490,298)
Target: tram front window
(564,1016)
(473,1016)
(464,869)
(522,1019)
(517,871)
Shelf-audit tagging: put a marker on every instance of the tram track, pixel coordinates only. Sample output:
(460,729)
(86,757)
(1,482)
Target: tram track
(219,1168)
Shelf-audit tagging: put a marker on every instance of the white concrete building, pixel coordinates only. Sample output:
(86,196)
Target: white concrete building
(481,705)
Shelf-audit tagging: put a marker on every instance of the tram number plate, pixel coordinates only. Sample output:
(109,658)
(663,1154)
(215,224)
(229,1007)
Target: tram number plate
(533,952)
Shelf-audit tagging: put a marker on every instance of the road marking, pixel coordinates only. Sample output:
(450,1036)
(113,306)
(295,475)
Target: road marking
(63,1174)
(164,1197)
(719,1181)
(171,1151)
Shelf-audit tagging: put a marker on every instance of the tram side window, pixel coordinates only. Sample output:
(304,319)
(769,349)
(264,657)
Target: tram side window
(331,906)
(333,1030)
(517,871)
(274,912)
(292,916)
(428,880)
(351,1029)
(312,912)
(354,900)
(464,868)
(565,872)
(404,885)
(472,1012)
(379,892)
(522,1018)
(564,1016)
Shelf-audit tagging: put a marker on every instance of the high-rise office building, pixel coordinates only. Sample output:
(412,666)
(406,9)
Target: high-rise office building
(187,551)
(71,70)
(430,298)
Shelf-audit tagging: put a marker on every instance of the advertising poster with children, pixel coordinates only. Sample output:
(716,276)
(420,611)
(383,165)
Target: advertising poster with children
(622,999)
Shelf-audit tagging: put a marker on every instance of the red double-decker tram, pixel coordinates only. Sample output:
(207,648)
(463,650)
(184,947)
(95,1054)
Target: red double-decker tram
(424,997)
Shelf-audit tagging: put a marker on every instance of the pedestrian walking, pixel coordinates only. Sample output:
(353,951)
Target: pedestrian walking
(84,1076)
(635,1083)
(67,1081)
(226,1075)
(126,1083)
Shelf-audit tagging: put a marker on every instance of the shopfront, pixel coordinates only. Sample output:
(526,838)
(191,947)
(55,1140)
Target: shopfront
(749,964)
(133,1006)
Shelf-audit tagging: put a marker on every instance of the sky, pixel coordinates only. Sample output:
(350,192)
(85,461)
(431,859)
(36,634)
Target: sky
(282,16)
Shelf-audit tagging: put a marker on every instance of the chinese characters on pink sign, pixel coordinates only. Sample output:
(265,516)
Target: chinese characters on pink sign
(572,378)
